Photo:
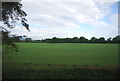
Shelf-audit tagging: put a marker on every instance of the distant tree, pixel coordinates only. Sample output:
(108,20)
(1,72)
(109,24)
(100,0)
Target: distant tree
(101,40)
(38,41)
(48,40)
(75,39)
(109,40)
(93,40)
(116,39)
(62,40)
(67,40)
(55,40)
(28,40)
(83,39)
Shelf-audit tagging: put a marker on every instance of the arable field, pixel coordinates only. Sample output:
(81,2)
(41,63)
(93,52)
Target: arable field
(54,56)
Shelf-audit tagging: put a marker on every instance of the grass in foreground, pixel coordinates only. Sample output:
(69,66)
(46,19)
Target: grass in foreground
(60,60)
(63,53)
(32,71)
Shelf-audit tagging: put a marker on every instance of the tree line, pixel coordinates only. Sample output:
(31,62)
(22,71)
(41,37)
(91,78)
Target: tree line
(81,39)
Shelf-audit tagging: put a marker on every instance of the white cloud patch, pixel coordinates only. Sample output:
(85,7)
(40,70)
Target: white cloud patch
(42,33)
(59,14)
(114,20)
(68,14)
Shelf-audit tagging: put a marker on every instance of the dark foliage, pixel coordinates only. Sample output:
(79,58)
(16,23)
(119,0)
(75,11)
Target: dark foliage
(81,40)
(12,13)
(8,41)
(73,73)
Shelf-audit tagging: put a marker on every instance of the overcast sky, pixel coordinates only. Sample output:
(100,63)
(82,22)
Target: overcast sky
(70,18)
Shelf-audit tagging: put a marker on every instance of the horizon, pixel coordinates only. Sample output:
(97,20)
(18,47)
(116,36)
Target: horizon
(66,37)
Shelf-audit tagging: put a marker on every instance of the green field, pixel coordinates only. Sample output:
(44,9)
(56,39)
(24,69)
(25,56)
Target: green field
(68,53)
(62,55)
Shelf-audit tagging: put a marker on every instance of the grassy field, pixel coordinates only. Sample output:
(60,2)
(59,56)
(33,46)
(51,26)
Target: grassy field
(69,54)
(45,56)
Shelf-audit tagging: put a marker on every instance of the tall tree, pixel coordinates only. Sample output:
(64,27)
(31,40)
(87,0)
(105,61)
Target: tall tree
(12,13)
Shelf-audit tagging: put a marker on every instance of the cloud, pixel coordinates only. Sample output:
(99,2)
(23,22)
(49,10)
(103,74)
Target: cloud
(114,20)
(60,14)
(42,33)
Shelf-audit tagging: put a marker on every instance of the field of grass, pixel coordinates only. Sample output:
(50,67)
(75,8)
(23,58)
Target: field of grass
(69,54)
(45,56)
